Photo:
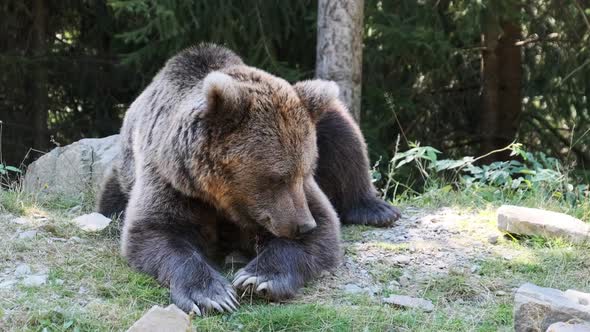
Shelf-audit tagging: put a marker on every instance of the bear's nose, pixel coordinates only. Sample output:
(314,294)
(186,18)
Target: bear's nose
(305,228)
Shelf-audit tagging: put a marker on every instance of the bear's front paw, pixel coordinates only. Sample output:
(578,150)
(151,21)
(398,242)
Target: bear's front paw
(204,296)
(275,286)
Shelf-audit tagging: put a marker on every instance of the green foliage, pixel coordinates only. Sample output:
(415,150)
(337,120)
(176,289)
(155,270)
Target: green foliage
(421,173)
(273,35)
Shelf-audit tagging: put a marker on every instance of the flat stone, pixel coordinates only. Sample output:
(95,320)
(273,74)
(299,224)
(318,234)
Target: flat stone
(92,222)
(158,319)
(27,234)
(22,270)
(410,302)
(35,280)
(548,224)
(569,327)
(536,308)
(21,221)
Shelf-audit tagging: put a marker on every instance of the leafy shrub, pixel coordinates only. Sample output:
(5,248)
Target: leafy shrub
(527,173)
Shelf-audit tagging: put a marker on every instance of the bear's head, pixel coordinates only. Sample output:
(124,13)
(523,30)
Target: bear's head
(261,146)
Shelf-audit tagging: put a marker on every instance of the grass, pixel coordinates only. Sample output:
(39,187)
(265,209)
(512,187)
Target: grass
(91,288)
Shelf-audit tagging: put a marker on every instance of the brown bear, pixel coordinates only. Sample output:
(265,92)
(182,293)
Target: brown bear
(218,156)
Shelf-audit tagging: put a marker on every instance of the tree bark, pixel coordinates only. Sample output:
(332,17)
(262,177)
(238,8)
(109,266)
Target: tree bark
(339,54)
(39,76)
(501,85)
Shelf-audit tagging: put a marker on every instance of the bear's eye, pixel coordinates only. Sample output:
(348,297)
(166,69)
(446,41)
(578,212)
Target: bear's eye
(275,179)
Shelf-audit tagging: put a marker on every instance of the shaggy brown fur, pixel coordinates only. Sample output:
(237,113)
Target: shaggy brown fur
(218,156)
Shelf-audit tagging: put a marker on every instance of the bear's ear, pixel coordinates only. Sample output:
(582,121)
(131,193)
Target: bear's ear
(316,95)
(222,93)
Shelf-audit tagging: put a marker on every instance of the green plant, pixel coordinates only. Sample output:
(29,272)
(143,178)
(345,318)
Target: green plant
(528,173)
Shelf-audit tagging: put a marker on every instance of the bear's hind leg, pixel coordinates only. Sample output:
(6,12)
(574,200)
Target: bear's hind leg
(165,235)
(111,198)
(343,171)
(284,265)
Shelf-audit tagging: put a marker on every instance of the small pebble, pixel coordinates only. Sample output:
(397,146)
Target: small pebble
(75,209)
(493,239)
(402,260)
(410,302)
(353,289)
(21,221)
(27,235)
(35,280)
(76,239)
(22,270)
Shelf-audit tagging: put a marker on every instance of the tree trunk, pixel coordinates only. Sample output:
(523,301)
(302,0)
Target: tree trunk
(510,86)
(501,85)
(39,76)
(340,48)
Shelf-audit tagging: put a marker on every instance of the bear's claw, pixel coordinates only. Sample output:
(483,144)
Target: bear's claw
(243,279)
(199,302)
(228,304)
(275,288)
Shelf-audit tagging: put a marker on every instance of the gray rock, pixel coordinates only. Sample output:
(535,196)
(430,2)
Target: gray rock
(92,222)
(404,281)
(410,302)
(527,221)
(72,171)
(27,234)
(394,284)
(569,327)
(76,239)
(35,280)
(158,319)
(402,260)
(536,308)
(75,209)
(7,284)
(373,290)
(353,289)
(22,270)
